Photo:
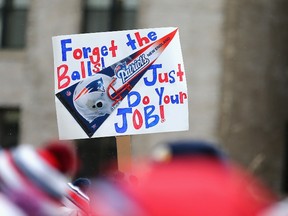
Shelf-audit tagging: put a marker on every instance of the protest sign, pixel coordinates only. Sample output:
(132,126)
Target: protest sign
(120,83)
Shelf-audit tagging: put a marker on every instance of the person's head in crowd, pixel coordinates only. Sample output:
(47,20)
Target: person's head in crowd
(82,183)
(197,179)
(76,200)
(35,179)
(182,149)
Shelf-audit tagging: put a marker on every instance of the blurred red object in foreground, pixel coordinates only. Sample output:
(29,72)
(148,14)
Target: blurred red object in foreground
(194,186)
(61,155)
(201,187)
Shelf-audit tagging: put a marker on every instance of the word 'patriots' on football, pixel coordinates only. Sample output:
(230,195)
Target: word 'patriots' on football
(133,68)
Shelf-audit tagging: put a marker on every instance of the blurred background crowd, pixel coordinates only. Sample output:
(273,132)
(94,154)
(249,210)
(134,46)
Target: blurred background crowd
(186,177)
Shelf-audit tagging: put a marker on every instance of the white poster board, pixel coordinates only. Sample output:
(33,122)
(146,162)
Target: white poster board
(120,83)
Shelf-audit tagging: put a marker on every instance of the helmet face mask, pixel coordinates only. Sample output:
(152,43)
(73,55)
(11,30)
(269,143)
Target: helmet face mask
(91,98)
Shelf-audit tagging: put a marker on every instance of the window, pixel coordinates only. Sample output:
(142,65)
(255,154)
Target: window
(95,156)
(109,15)
(9,127)
(13,20)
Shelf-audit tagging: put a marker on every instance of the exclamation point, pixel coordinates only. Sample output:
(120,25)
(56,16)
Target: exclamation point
(162,115)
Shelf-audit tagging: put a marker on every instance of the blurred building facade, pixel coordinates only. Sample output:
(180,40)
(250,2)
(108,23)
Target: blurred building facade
(236,63)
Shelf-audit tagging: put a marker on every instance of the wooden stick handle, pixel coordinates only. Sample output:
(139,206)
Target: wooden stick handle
(124,153)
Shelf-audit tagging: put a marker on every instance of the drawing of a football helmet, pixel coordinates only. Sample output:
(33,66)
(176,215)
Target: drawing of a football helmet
(91,98)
